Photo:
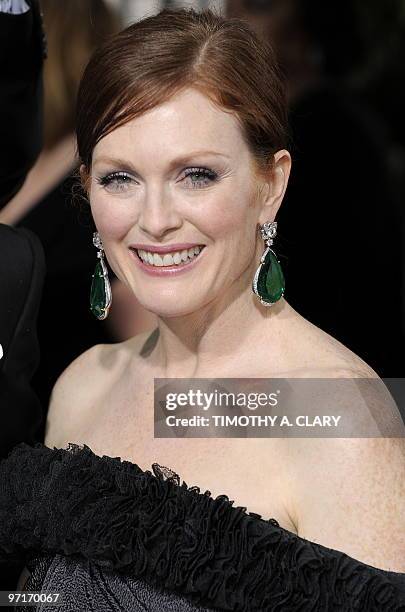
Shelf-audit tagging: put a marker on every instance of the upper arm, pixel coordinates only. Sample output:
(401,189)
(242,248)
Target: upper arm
(21,99)
(72,396)
(350,496)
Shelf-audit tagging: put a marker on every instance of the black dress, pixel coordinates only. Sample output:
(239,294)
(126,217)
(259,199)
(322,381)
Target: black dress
(111,536)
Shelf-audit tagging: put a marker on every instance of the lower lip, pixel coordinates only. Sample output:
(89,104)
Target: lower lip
(173,270)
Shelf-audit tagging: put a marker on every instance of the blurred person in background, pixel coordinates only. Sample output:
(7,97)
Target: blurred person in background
(47,203)
(22,265)
(340,236)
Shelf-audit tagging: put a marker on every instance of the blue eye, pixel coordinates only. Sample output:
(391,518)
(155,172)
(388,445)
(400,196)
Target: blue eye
(118,181)
(204,177)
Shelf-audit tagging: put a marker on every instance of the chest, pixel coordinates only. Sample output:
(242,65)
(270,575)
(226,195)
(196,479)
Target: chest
(250,471)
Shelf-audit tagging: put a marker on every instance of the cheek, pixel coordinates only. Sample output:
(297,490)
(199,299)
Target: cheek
(113,219)
(233,216)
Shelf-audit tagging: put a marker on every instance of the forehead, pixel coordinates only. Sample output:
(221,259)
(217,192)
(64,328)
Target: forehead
(188,120)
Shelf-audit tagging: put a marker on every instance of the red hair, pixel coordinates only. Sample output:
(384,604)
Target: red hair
(157,57)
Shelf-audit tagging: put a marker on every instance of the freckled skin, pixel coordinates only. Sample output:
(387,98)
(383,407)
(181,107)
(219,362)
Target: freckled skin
(162,206)
(210,325)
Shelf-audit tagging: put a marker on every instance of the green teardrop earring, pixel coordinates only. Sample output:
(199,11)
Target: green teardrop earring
(268,283)
(100,294)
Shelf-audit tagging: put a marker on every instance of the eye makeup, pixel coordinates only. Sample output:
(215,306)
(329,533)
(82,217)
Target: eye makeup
(119,181)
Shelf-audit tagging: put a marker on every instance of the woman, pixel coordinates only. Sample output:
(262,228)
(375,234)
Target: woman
(181,133)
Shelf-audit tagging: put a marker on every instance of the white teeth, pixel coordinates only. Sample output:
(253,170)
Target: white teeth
(169,259)
(157,260)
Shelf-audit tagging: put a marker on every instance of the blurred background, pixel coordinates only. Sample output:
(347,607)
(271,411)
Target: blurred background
(341,226)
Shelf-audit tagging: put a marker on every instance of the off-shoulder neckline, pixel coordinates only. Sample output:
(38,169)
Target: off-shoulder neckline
(159,471)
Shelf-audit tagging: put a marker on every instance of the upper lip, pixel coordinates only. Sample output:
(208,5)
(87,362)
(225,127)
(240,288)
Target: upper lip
(170,248)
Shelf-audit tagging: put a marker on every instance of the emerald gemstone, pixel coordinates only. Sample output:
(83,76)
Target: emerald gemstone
(270,282)
(98,294)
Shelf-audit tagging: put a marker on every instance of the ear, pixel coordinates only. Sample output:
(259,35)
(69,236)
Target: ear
(85,179)
(276,185)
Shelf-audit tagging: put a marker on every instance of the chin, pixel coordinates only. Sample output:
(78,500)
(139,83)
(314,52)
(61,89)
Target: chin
(169,306)
(167,312)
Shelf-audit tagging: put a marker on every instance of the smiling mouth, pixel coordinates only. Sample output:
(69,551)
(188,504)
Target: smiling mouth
(174,259)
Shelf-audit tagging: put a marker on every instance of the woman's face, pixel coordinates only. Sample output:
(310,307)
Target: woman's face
(178,175)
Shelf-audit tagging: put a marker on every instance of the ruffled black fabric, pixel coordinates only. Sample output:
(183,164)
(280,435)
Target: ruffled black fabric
(149,525)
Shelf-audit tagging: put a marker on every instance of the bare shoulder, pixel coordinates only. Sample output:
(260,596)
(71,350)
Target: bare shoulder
(319,353)
(357,501)
(84,383)
(76,390)
(352,389)
(357,484)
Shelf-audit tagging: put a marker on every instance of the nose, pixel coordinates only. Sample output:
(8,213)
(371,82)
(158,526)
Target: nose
(158,214)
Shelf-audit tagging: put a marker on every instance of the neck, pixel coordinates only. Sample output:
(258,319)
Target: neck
(219,336)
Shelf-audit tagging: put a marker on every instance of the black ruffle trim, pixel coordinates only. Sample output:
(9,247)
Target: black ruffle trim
(149,525)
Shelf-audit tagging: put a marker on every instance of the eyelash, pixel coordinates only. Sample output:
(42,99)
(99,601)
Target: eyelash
(206,173)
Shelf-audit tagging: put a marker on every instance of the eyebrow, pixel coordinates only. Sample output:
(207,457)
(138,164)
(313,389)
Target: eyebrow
(178,160)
